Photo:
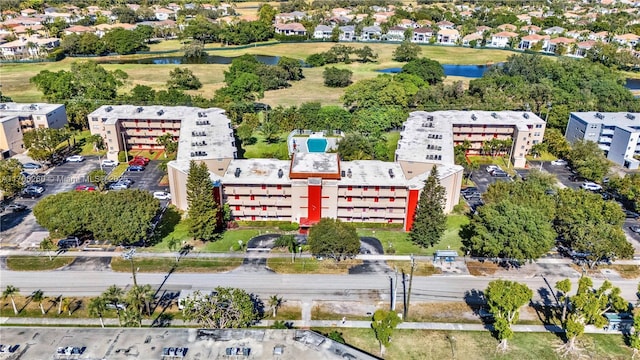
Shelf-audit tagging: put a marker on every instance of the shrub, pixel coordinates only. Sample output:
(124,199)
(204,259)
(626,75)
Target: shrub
(122,157)
(289,226)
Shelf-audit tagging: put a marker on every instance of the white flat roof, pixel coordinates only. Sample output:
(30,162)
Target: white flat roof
(372,172)
(10,109)
(257,171)
(321,163)
(625,120)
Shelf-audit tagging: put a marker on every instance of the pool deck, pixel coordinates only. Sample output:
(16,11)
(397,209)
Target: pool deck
(301,146)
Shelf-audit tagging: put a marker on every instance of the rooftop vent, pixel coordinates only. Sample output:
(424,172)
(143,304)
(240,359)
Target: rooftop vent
(33,107)
(3,106)
(280,173)
(349,173)
(391,175)
(202,114)
(160,112)
(631,116)
(198,153)
(526,116)
(599,116)
(429,117)
(494,115)
(198,133)
(199,143)
(108,108)
(202,122)
(139,109)
(474,117)
(343,173)
(237,173)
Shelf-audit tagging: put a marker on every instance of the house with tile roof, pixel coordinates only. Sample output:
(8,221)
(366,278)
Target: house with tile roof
(529,41)
(422,35)
(466,40)
(448,36)
(502,39)
(290,29)
(322,32)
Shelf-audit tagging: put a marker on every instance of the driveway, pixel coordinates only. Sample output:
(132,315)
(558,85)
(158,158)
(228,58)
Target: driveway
(632,237)
(483,179)
(373,246)
(147,179)
(562,173)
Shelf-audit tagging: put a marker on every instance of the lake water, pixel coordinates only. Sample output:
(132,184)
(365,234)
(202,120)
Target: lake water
(470,71)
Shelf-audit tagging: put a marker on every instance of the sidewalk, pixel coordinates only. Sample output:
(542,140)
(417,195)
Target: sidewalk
(435,326)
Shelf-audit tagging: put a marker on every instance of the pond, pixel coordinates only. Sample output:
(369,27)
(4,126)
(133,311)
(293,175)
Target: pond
(178,60)
(470,71)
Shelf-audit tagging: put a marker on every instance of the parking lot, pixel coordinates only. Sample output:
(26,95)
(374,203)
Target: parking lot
(562,173)
(483,179)
(20,229)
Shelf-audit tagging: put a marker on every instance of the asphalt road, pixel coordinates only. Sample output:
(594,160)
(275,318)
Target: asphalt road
(371,287)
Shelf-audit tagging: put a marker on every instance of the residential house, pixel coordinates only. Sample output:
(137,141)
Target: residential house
(28,47)
(599,36)
(102,29)
(408,24)
(555,44)
(444,24)
(28,12)
(536,14)
(371,33)
(582,48)
(337,20)
(448,36)
(630,40)
(480,30)
(556,30)
(502,39)
(9,14)
(423,23)
(67,17)
(340,12)
(292,16)
(348,33)
(78,30)
(466,41)
(422,35)
(578,34)
(508,27)
(571,17)
(395,33)
(163,14)
(465,14)
(529,41)
(524,18)
(290,29)
(322,32)
(530,29)
(28,30)
(381,18)
(173,6)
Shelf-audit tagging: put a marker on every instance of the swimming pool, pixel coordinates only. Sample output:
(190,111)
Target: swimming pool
(317,145)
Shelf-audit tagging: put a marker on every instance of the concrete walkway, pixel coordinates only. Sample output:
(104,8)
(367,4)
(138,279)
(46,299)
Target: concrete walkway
(435,326)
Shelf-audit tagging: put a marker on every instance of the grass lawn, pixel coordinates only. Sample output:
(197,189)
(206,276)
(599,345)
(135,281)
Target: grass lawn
(477,268)
(118,171)
(311,266)
(544,156)
(285,312)
(230,241)
(399,240)
(423,344)
(392,143)
(37,263)
(625,271)
(162,265)
(422,268)
(263,150)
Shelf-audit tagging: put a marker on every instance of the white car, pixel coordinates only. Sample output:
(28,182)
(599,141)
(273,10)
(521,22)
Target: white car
(559,162)
(107,162)
(492,168)
(75,158)
(591,186)
(162,195)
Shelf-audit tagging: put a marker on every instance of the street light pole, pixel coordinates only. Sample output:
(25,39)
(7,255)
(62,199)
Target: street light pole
(129,256)
(124,145)
(406,307)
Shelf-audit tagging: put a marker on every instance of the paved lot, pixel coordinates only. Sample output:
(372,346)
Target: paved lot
(483,179)
(147,179)
(561,172)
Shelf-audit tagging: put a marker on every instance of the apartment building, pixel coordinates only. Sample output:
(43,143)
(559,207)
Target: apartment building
(439,131)
(16,118)
(616,133)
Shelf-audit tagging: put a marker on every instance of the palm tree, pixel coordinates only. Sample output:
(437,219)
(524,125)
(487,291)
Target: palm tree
(97,307)
(38,296)
(113,295)
(9,292)
(65,305)
(275,302)
(141,297)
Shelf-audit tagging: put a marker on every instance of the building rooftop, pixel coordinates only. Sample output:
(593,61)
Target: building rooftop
(8,110)
(324,165)
(257,171)
(173,343)
(371,172)
(627,121)
(428,136)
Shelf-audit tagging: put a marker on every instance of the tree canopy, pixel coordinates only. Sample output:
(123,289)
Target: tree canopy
(224,308)
(334,239)
(11,180)
(203,210)
(588,160)
(42,143)
(406,51)
(383,324)
(428,70)
(505,298)
(429,220)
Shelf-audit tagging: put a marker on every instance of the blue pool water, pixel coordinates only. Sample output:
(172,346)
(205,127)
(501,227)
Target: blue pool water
(317,145)
(470,71)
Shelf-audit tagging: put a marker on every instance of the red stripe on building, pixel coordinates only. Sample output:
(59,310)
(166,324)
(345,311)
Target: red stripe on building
(412,204)
(315,203)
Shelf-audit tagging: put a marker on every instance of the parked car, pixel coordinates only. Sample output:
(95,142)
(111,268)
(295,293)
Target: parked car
(162,195)
(32,192)
(125,181)
(576,178)
(34,188)
(75,158)
(107,162)
(635,229)
(135,168)
(15,208)
(31,166)
(469,189)
(559,162)
(85,188)
(492,168)
(499,173)
(143,159)
(69,242)
(118,186)
(631,215)
(591,186)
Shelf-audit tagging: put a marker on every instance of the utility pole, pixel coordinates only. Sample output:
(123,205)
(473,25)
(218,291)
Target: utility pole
(124,145)
(394,289)
(406,306)
(129,256)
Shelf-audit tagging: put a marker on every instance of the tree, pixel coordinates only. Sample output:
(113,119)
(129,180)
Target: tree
(224,308)
(271,131)
(38,296)
(334,239)
(42,143)
(168,142)
(97,307)
(505,298)
(9,292)
(11,180)
(290,243)
(292,67)
(140,298)
(383,324)
(366,54)
(407,51)
(195,49)
(588,307)
(334,77)
(47,245)
(114,295)
(183,79)
(428,70)
(634,337)
(274,303)
(508,230)
(355,147)
(267,13)
(203,209)
(429,220)
(98,178)
(97,141)
(628,187)
(588,160)
(564,286)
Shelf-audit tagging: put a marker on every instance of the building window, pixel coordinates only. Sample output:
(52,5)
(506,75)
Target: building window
(237,197)
(538,126)
(279,187)
(237,207)
(264,186)
(393,188)
(137,130)
(377,188)
(253,208)
(264,207)
(108,131)
(392,199)
(253,197)
(495,136)
(375,199)
(366,188)
(253,218)
(349,199)
(349,188)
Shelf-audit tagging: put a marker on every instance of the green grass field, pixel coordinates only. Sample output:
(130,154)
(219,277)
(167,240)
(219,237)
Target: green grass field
(187,265)
(399,240)
(37,263)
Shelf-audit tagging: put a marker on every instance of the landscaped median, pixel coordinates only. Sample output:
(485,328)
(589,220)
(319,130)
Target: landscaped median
(311,266)
(185,265)
(37,263)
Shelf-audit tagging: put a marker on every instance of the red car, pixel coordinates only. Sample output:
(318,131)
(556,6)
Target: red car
(85,188)
(142,159)
(137,162)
